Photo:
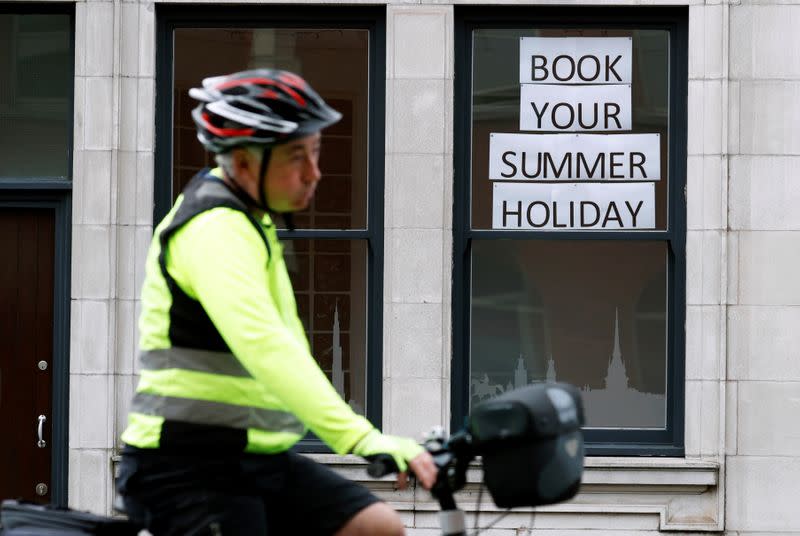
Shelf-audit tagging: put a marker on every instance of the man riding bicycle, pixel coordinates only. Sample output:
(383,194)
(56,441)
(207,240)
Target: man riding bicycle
(228,384)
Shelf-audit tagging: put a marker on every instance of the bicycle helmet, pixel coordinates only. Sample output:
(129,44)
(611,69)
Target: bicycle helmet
(261,106)
(265,107)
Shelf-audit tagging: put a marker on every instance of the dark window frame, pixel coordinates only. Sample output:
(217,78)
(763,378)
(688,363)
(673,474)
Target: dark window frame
(172,17)
(37,192)
(60,183)
(600,442)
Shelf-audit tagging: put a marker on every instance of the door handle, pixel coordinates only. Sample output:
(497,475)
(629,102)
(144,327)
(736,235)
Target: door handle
(42,443)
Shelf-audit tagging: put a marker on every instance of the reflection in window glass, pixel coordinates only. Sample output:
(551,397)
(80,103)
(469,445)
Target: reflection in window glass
(35,95)
(335,63)
(496,98)
(330,283)
(329,276)
(590,313)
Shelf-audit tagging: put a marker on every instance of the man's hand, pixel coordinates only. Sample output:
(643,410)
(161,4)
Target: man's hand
(423,467)
(407,454)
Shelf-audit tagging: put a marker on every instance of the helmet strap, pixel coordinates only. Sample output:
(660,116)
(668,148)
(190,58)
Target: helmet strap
(288,217)
(262,178)
(258,202)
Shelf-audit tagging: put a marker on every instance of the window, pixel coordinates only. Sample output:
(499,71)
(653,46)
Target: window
(334,256)
(36,124)
(35,95)
(569,219)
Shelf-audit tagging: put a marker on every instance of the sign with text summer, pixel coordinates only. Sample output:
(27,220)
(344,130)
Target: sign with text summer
(574,206)
(579,157)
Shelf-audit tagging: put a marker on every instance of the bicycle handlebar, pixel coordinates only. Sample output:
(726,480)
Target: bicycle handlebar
(451,458)
(381,465)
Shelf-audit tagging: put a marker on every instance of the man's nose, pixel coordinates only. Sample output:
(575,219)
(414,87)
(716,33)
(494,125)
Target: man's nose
(312,173)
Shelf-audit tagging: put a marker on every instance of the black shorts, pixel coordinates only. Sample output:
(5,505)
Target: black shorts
(240,495)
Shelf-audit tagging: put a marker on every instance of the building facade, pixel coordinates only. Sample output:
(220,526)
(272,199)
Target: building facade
(440,265)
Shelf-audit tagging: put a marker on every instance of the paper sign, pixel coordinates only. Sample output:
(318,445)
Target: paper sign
(575,60)
(564,108)
(573,206)
(580,157)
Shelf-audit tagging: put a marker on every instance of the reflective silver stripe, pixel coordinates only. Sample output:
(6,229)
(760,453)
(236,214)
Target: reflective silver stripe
(223,363)
(216,413)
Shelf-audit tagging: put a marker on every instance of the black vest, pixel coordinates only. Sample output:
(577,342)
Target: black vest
(190,326)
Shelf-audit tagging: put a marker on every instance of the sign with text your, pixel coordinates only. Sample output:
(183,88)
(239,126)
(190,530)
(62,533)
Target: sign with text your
(570,84)
(553,108)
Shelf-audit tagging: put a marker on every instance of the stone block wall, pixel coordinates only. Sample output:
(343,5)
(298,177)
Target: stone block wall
(763,455)
(112,224)
(742,469)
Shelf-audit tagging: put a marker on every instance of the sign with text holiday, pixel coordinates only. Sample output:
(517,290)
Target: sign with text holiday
(573,206)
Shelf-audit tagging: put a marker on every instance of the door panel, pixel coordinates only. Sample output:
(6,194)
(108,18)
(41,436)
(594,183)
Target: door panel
(27,250)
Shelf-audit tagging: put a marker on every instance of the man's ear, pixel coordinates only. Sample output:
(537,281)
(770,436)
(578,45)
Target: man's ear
(243,164)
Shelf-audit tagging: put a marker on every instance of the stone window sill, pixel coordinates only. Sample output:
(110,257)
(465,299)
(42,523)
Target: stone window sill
(638,494)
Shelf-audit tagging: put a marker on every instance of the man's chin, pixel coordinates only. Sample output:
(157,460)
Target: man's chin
(302,204)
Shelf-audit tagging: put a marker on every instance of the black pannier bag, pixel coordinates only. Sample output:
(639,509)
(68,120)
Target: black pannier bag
(531,443)
(26,519)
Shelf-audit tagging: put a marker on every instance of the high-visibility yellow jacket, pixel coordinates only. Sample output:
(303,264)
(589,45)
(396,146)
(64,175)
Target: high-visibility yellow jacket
(225,364)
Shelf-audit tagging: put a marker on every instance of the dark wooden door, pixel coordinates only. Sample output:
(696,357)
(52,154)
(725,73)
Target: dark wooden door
(27,250)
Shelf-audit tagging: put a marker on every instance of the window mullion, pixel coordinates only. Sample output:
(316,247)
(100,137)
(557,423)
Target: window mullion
(338,234)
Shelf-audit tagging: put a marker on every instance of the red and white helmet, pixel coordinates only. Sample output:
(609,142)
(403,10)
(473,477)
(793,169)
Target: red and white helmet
(263,106)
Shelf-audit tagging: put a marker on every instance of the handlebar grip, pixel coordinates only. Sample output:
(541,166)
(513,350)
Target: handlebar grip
(381,465)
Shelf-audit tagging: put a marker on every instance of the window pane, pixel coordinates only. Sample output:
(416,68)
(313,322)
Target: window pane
(35,95)
(590,313)
(335,63)
(496,101)
(330,285)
